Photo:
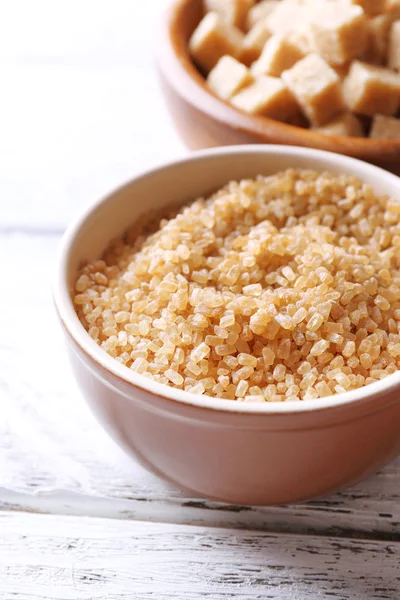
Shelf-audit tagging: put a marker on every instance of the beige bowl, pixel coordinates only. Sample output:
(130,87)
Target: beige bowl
(241,453)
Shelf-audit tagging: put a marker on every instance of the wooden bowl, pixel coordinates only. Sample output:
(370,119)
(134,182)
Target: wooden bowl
(203,120)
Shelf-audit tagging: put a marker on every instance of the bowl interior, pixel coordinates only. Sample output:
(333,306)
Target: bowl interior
(198,175)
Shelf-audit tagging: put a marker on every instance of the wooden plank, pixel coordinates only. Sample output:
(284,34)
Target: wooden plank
(80,33)
(84,132)
(55,458)
(81,106)
(70,558)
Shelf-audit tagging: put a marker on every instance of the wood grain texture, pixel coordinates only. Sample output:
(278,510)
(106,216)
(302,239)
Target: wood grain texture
(55,458)
(81,106)
(68,558)
(81,110)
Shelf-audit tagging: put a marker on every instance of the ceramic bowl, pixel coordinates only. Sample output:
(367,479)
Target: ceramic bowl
(241,453)
(203,120)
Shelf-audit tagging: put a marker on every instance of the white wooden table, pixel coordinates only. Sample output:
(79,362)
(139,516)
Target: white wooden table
(80,111)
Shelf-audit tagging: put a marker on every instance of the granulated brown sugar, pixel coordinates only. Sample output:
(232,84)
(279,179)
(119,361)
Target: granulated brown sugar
(281,288)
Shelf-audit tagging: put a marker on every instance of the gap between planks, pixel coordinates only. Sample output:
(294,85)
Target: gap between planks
(75,558)
(306,519)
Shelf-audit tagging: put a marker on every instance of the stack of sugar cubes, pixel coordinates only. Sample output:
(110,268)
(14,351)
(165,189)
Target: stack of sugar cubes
(332,65)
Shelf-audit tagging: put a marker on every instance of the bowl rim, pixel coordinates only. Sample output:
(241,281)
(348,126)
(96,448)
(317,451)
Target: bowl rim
(175,64)
(69,318)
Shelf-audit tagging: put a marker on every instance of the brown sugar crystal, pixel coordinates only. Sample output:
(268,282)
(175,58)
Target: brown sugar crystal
(273,289)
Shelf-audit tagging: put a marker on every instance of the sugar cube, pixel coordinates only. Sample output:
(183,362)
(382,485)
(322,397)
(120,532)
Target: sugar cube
(316,86)
(268,97)
(228,77)
(212,39)
(369,89)
(277,56)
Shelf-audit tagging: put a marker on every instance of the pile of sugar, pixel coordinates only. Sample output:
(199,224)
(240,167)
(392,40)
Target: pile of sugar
(280,288)
(321,63)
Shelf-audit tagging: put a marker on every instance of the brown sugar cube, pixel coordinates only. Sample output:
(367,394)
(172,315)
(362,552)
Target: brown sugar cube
(292,15)
(212,39)
(302,39)
(339,31)
(346,124)
(316,87)
(260,11)
(268,97)
(254,42)
(394,46)
(371,7)
(378,40)
(385,128)
(278,56)
(228,77)
(233,12)
(369,90)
